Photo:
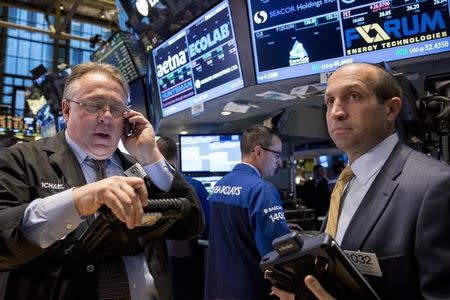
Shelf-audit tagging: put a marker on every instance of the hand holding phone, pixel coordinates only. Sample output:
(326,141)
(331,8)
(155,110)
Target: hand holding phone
(139,138)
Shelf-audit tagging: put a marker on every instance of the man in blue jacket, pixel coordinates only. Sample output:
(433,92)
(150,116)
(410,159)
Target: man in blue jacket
(246,214)
(52,189)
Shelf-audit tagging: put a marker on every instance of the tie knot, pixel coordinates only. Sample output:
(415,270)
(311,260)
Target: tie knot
(346,175)
(98,165)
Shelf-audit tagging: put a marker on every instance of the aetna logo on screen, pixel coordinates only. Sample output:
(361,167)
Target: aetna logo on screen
(209,40)
(172,63)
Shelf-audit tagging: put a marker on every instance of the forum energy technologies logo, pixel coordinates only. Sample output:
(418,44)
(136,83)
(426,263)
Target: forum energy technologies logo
(402,30)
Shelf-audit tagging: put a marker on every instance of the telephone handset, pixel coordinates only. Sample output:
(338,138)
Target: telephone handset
(128,127)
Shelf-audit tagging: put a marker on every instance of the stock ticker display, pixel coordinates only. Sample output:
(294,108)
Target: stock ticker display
(295,38)
(198,63)
(124,53)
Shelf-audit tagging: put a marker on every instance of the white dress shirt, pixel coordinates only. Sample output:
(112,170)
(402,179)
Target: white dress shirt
(366,168)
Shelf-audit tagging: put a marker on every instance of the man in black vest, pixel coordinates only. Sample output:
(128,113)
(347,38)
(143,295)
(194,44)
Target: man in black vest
(315,192)
(50,190)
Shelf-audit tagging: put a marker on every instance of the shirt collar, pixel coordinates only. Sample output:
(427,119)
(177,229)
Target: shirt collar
(253,167)
(81,155)
(368,164)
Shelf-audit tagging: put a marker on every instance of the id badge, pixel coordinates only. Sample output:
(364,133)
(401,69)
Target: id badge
(365,262)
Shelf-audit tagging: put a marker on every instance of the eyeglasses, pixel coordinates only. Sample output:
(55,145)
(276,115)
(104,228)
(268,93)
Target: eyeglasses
(97,108)
(276,153)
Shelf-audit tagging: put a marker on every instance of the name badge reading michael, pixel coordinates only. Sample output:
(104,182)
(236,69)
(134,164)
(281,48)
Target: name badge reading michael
(135,170)
(365,262)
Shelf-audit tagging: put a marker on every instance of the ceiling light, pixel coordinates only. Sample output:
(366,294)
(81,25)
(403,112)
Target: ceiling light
(225,113)
(61,7)
(142,7)
(183,132)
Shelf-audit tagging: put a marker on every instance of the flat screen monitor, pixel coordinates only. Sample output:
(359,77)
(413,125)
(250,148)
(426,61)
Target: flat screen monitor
(208,182)
(28,126)
(294,38)
(121,51)
(138,96)
(329,161)
(199,63)
(217,153)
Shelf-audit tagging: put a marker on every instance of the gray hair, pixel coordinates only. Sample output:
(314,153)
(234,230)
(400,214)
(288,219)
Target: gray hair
(93,67)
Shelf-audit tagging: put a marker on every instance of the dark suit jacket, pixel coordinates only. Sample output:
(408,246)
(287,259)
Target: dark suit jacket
(28,272)
(405,219)
(317,196)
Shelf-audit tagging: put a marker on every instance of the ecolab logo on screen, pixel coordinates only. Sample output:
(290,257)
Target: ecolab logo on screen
(209,40)
(200,45)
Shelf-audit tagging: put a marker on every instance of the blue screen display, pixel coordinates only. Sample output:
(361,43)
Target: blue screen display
(209,153)
(294,38)
(208,182)
(199,63)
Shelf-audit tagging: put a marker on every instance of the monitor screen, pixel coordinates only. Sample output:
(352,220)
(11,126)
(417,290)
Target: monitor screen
(208,182)
(331,161)
(138,97)
(209,153)
(124,53)
(323,161)
(28,126)
(294,38)
(199,63)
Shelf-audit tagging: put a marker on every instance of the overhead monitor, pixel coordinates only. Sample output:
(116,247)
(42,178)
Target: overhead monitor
(294,38)
(123,52)
(138,96)
(198,63)
(216,153)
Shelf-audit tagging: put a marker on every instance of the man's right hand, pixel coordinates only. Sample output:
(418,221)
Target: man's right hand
(125,196)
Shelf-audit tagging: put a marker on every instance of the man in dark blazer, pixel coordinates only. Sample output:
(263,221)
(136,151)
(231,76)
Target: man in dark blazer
(398,204)
(315,192)
(50,192)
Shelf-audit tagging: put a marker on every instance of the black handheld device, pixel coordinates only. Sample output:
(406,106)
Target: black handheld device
(108,235)
(320,256)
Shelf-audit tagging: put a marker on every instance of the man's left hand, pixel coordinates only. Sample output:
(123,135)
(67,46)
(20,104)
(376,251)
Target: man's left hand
(312,284)
(317,289)
(293,226)
(142,143)
(283,295)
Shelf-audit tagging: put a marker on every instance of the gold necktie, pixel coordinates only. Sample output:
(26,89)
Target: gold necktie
(335,203)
